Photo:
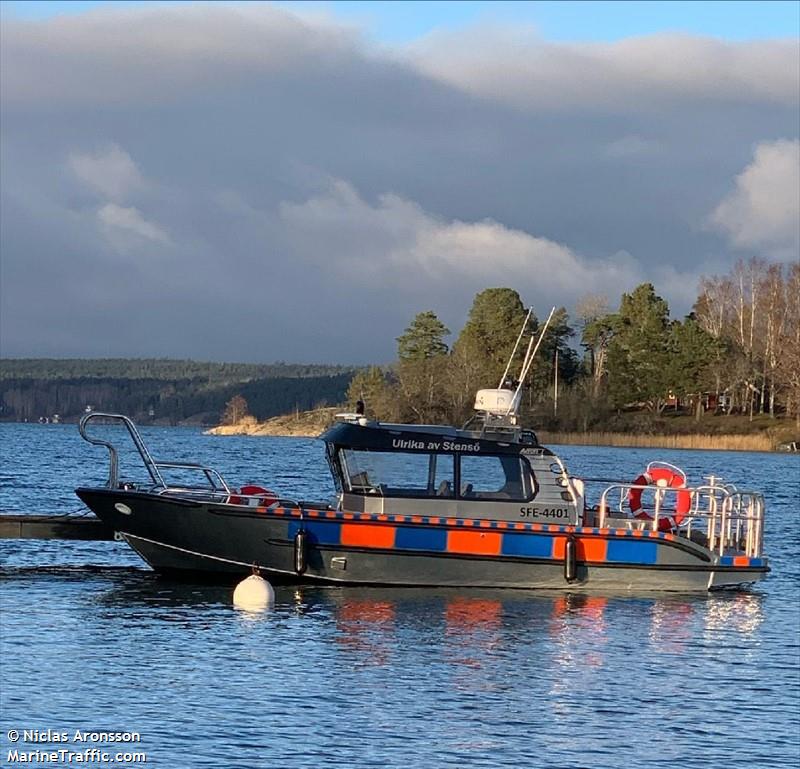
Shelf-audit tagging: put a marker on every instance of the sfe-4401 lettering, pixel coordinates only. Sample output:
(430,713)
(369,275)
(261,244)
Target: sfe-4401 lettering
(543,512)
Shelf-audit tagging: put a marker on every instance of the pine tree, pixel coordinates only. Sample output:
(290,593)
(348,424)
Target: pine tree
(422,369)
(423,339)
(692,353)
(639,350)
(488,338)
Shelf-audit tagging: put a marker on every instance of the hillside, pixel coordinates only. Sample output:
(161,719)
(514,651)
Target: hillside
(162,391)
(159,369)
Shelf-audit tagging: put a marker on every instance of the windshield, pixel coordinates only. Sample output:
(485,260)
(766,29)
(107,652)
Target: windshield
(397,473)
(421,474)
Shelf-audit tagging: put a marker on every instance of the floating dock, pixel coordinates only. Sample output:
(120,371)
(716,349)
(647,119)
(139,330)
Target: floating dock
(85,527)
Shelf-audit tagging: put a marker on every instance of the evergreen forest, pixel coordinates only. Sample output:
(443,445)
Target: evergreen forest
(734,359)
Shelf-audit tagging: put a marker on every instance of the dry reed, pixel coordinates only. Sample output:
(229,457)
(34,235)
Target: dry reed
(635,440)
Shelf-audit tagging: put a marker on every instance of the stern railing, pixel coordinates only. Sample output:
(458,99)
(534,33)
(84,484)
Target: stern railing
(729,520)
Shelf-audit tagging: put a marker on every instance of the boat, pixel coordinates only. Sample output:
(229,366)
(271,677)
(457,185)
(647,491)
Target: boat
(484,505)
(481,506)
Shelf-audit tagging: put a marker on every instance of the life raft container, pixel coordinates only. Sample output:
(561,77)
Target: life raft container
(254,496)
(662,477)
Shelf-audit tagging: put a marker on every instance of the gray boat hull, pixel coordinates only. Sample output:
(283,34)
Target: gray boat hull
(195,536)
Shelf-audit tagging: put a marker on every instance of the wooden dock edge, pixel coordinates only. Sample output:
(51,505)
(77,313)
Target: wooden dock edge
(82,527)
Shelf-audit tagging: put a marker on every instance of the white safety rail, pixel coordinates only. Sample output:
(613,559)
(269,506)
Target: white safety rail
(213,480)
(731,520)
(213,489)
(734,519)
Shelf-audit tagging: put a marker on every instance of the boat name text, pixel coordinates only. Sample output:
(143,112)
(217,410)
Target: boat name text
(399,443)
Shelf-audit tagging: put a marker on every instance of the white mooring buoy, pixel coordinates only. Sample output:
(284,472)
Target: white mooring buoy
(253,593)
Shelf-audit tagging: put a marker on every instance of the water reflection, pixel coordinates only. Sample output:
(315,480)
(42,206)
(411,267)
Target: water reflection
(574,630)
(740,612)
(580,608)
(581,614)
(473,629)
(465,615)
(670,625)
(366,627)
(469,628)
(367,620)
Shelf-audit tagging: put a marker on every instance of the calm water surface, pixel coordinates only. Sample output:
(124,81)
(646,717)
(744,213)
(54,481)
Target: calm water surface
(355,677)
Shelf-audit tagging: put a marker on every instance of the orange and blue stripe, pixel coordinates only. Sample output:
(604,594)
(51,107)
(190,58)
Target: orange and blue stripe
(466,536)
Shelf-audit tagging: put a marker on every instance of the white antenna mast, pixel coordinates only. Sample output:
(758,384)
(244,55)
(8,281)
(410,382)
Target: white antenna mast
(514,351)
(526,365)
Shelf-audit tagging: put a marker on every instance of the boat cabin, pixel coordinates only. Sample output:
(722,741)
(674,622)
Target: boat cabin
(491,472)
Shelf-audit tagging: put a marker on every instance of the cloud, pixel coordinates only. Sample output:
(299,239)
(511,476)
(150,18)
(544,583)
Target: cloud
(517,67)
(763,211)
(395,241)
(126,225)
(286,190)
(110,171)
(153,53)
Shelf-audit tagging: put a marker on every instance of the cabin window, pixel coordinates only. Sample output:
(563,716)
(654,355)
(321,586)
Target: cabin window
(397,473)
(496,477)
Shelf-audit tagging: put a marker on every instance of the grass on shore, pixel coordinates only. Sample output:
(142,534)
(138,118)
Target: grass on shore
(637,440)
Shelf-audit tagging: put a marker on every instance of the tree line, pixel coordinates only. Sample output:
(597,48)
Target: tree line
(737,352)
(159,369)
(164,401)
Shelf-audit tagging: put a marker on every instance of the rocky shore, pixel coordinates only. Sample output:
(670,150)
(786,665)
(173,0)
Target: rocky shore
(303,424)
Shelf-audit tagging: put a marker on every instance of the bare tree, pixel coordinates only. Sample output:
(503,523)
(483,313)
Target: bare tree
(774,309)
(714,313)
(593,316)
(787,370)
(755,312)
(714,305)
(748,281)
(235,411)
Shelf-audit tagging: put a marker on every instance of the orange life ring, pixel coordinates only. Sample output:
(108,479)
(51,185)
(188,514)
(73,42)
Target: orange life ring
(661,476)
(257,496)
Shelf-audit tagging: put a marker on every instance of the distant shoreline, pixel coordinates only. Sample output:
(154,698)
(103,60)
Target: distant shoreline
(309,424)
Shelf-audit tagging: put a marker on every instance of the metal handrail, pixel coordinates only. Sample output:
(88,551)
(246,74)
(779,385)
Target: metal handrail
(214,479)
(212,476)
(735,518)
(113,470)
(625,488)
(216,490)
(189,492)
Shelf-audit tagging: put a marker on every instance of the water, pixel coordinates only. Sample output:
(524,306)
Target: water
(355,677)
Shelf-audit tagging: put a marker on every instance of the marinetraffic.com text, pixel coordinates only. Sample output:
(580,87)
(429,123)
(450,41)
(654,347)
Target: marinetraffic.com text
(68,747)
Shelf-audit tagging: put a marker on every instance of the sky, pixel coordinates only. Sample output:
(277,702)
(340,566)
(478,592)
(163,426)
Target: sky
(295,181)
(400,21)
